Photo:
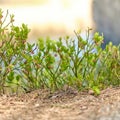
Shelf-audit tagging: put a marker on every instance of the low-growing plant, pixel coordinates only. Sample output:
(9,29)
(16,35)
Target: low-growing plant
(78,62)
(12,44)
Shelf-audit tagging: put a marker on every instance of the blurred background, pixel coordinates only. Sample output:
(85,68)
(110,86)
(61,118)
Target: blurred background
(106,16)
(57,18)
(52,18)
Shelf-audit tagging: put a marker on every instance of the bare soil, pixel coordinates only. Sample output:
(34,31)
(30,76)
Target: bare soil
(66,104)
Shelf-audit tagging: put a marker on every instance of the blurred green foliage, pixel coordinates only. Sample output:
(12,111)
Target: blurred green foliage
(77,62)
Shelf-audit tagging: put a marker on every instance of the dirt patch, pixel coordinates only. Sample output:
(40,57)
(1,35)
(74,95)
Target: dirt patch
(62,105)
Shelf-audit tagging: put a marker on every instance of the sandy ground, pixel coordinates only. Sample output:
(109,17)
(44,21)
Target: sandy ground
(67,104)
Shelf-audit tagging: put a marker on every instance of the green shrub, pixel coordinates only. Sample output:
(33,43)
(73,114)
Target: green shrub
(77,62)
(12,44)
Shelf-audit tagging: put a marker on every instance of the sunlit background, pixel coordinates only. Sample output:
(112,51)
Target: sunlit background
(52,18)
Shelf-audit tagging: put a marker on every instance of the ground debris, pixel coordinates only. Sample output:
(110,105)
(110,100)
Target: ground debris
(61,105)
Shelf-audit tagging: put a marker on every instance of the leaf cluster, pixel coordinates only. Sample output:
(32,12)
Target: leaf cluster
(77,62)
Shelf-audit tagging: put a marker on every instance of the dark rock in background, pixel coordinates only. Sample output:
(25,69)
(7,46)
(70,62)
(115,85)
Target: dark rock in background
(106,16)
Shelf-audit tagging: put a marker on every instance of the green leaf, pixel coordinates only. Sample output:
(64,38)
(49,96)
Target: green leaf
(41,44)
(96,90)
(10,77)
